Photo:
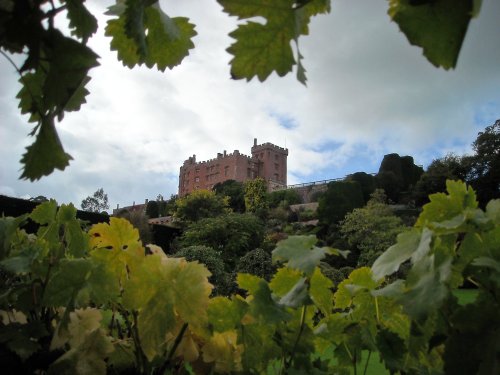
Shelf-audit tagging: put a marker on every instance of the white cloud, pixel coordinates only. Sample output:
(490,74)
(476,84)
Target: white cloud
(369,93)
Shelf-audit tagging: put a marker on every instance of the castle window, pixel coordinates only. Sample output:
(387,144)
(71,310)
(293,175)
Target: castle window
(226,170)
(276,166)
(249,172)
(197,170)
(197,179)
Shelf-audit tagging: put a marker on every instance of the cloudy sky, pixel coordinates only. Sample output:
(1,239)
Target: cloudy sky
(369,93)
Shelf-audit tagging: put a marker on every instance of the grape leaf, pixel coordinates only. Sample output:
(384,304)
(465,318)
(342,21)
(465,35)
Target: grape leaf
(391,259)
(69,64)
(83,23)
(224,350)
(284,280)
(262,305)
(44,213)
(168,39)
(225,314)
(147,35)
(261,49)
(45,154)
(321,293)
(67,281)
(438,26)
(444,207)
(87,358)
(300,253)
(164,290)
(297,296)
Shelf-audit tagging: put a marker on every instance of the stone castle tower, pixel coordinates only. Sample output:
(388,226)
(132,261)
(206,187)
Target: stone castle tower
(267,161)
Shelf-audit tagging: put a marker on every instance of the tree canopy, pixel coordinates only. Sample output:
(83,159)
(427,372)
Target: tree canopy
(98,202)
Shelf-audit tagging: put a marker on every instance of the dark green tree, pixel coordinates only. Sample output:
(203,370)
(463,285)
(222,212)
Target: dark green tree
(98,202)
(232,234)
(370,230)
(200,204)
(449,167)
(340,198)
(367,182)
(257,262)
(235,191)
(284,197)
(485,164)
(152,209)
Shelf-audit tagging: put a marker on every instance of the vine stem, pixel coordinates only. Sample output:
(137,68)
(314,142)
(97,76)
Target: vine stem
(367,361)
(24,82)
(301,329)
(171,353)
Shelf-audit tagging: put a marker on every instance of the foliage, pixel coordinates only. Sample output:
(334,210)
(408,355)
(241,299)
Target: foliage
(233,235)
(485,164)
(140,221)
(450,167)
(370,230)
(257,262)
(97,202)
(256,195)
(213,261)
(367,182)
(235,191)
(285,197)
(397,174)
(452,241)
(152,209)
(340,198)
(200,204)
(77,302)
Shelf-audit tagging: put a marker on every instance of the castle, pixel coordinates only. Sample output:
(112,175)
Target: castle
(267,161)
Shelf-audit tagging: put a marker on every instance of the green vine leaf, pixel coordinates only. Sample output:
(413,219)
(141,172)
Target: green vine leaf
(300,253)
(45,154)
(83,23)
(146,35)
(261,49)
(438,26)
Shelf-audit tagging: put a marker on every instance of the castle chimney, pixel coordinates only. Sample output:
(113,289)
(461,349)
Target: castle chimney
(255,142)
(225,153)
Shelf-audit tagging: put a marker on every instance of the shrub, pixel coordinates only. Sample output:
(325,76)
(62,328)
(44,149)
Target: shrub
(257,262)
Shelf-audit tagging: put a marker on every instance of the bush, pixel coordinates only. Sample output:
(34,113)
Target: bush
(257,262)
(213,261)
(232,234)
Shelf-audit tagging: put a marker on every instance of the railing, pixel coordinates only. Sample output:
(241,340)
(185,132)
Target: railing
(321,182)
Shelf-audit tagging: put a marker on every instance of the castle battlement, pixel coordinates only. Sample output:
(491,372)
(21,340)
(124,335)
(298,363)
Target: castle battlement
(267,145)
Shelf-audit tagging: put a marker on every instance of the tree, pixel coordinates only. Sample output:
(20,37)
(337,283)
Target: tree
(367,182)
(485,164)
(97,202)
(449,167)
(54,74)
(232,234)
(340,198)
(140,221)
(152,209)
(235,191)
(200,204)
(256,195)
(285,196)
(371,230)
